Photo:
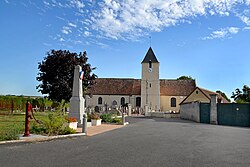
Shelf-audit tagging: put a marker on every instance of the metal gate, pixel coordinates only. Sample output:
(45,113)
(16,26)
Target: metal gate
(205,113)
(233,114)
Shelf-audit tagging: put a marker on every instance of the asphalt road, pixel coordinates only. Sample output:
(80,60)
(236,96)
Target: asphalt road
(145,142)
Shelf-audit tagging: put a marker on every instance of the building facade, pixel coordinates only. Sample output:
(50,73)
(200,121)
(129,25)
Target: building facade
(158,94)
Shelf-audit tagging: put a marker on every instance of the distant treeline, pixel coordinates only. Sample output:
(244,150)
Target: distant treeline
(18,103)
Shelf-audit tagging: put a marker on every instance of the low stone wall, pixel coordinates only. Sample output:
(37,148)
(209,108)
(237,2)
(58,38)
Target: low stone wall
(164,115)
(190,111)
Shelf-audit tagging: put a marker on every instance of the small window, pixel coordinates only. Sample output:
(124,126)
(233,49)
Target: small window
(122,101)
(173,102)
(99,100)
(150,85)
(197,92)
(114,103)
(150,64)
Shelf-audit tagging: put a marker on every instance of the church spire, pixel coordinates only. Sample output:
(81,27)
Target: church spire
(150,57)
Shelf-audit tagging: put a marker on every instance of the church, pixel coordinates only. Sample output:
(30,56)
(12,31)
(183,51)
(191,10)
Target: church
(151,91)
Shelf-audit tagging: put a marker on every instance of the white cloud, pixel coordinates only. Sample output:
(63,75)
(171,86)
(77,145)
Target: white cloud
(125,19)
(72,25)
(66,30)
(77,3)
(222,33)
(233,30)
(245,20)
(87,33)
(6,1)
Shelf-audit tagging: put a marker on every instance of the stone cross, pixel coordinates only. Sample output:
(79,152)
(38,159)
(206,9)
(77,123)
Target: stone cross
(76,108)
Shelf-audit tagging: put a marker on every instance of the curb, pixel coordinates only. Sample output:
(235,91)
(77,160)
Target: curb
(46,138)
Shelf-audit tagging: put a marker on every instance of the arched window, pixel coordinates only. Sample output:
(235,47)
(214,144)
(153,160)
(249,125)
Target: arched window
(173,102)
(114,103)
(150,64)
(138,102)
(122,101)
(99,100)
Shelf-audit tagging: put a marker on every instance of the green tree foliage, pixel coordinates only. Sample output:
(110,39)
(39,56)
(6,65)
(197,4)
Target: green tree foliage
(241,96)
(57,73)
(185,78)
(18,103)
(223,95)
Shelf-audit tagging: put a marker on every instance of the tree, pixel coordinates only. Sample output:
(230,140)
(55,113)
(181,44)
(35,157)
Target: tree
(241,96)
(223,95)
(185,78)
(57,73)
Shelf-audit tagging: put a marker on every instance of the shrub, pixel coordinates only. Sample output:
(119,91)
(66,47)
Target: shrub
(106,117)
(95,115)
(55,124)
(10,134)
(67,130)
(117,120)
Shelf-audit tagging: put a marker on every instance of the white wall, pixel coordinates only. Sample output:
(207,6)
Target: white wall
(190,111)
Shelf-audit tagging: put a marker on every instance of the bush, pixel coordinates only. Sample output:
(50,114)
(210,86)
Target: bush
(117,120)
(55,124)
(67,130)
(94,115)
(10,134)
(106,117)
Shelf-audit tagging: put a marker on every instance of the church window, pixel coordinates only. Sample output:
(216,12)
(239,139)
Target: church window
(150,85)
(122,101)
(150,64)
(114,103)
(138,101)
(197,92)
(99,100)
(173,102)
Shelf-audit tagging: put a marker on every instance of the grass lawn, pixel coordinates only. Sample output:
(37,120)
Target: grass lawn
(11,125)
(17,121)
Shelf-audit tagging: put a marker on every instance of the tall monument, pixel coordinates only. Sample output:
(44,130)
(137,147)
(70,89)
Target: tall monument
(76,108)
(150,82)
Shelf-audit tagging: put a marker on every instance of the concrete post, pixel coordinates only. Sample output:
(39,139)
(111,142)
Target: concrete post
(146,109)
(84,125)
(213,109)
(123,119)
(76,108)
(129,109)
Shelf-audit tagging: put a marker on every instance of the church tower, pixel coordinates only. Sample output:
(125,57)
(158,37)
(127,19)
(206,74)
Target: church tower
(150,83)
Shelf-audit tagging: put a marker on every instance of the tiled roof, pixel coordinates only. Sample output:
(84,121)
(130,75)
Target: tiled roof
(176,87)
(208,93)
(124,86)
(150,56)
(116,86)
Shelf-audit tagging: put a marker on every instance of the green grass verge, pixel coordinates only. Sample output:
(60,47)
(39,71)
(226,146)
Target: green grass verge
(13,125)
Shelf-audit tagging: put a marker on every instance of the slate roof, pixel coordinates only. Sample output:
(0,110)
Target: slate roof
(129,86)
(150,56)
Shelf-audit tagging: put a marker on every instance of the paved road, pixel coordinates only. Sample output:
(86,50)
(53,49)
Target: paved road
(145,142)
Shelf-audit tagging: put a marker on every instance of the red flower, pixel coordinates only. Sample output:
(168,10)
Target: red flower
(71,119)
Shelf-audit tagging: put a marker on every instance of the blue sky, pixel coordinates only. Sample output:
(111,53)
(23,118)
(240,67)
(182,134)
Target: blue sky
(205,39)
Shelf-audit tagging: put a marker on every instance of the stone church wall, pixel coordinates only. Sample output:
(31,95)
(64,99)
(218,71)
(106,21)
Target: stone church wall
(166,103)
(109,100)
